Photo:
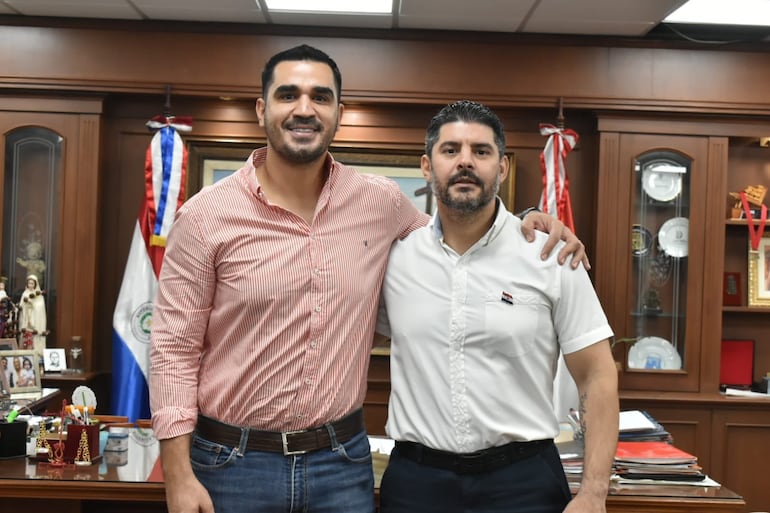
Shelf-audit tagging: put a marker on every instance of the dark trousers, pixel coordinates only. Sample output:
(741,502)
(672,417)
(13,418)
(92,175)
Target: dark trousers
(533,485)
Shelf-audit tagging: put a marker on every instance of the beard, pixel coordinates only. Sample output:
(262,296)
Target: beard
(464,203)
(299,153)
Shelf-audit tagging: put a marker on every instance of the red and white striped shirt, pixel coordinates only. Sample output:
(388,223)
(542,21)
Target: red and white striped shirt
(261,320)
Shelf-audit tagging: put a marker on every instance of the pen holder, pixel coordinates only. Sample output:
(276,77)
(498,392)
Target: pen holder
(72,442)
(13,439)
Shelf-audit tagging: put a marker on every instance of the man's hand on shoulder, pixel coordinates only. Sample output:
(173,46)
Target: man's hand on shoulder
(556,230)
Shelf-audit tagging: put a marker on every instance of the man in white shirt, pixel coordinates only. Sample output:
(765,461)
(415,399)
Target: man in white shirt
(477,322)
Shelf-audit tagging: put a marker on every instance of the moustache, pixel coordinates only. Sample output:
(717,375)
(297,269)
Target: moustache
(303,123)
(465,176)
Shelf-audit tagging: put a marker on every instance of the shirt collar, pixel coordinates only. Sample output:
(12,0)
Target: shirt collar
(258,157)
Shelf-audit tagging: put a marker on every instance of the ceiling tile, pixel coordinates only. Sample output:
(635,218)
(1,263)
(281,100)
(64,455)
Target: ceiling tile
(235,11)
(604,17)
(118,9)
(332,20)
(486,15)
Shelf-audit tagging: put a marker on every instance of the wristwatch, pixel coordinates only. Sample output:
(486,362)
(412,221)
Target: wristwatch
(521,215)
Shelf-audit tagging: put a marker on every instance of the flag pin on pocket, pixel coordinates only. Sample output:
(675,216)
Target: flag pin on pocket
(506,298)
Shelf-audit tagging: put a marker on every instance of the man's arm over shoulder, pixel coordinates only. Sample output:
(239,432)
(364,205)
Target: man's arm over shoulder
(533,219)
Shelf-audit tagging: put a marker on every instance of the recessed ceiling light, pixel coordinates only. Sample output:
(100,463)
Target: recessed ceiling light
(721,12)
(336,6)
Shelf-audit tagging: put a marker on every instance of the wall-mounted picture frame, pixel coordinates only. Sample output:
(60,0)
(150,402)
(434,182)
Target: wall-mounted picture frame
(54,360)
(209,161)
(402,167)
(759,274)
(22,371)
(218,169)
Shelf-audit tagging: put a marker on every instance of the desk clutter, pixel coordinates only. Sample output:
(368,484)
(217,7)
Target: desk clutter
(70,436)
(645,455)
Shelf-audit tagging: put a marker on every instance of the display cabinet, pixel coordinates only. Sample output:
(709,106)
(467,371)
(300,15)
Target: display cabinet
(49,183)
(651,255)
(659,256)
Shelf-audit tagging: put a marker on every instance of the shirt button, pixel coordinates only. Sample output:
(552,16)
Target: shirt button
(317,271)
(313,344)
(317,308)
(308,381)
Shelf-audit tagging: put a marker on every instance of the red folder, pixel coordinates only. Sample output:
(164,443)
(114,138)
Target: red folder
(652,452)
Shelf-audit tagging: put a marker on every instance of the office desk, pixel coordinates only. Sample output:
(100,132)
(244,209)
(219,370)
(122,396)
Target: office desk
(133,484)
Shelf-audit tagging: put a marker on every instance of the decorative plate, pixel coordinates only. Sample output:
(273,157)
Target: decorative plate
(673,236)
(662,185)
(654,353)
(641,240)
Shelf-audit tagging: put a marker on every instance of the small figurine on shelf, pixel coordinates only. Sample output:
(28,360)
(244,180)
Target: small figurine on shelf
(83,456)
(32,319)
(652,302)
(755,195)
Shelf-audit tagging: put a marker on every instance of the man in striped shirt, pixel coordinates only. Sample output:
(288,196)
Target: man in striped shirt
(265,314)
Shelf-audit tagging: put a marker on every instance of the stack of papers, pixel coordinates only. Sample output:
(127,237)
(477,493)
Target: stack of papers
(636,425)
(656,460)
(571,454)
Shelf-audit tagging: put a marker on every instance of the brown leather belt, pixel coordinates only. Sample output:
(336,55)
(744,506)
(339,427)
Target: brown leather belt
(471,463)
(289,442)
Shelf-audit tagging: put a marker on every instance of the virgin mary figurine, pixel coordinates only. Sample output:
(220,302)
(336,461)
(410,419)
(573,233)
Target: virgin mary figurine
(32,317)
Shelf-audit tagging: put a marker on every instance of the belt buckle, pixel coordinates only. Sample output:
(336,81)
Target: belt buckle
(285,442)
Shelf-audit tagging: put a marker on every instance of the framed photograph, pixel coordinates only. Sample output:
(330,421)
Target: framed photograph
(54,360)
(21,370)
(403,168)
(8,344)
(759,273)
(217,169)
(4,386)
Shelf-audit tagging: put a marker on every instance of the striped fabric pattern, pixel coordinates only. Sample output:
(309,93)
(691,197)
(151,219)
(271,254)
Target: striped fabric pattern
(264,320)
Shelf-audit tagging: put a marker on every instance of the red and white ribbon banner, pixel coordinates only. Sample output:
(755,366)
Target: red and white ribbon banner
(555,199)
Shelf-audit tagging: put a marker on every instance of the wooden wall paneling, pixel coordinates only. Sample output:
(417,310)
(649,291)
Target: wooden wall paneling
(591,75)
(740,452)
(714,252)
(605,258)
(86,236)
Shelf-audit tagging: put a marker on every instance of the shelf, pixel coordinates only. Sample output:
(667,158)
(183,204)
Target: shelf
(746,309)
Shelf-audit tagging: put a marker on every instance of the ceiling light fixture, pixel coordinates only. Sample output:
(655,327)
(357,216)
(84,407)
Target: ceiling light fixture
(335,6)
(720,12)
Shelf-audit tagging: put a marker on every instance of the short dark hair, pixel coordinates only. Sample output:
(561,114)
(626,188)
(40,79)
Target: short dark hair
(300,53)
(469,112)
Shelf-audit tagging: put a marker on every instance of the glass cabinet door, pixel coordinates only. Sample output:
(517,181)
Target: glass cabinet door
(660,215)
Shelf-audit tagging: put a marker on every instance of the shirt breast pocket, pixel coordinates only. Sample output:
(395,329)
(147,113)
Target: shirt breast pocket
(511,322)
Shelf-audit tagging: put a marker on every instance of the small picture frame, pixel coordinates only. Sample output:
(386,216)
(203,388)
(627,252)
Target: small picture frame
(8,344)
(759,273)
(54,360)
(4,386)
(21,370)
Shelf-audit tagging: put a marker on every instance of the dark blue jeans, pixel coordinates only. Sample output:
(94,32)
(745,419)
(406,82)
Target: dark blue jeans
(532,485)
(336,480)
